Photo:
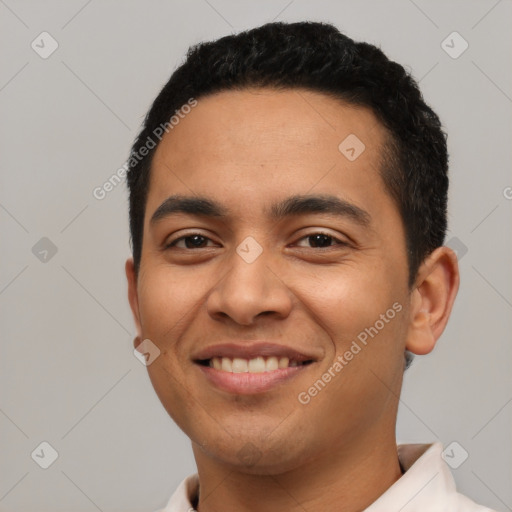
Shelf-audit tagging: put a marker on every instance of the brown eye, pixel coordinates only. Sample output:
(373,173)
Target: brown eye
(194,241)
(320,240)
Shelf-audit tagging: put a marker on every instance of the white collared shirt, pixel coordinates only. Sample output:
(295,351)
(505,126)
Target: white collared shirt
(426,486)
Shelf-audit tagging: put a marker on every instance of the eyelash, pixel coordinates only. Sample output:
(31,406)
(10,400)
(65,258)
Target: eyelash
(172,244)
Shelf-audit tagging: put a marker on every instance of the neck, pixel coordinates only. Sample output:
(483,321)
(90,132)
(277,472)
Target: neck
(346,479)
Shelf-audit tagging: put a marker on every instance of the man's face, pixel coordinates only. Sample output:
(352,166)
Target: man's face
(296,277)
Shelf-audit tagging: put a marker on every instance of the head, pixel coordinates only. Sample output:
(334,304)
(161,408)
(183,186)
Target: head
(317,156)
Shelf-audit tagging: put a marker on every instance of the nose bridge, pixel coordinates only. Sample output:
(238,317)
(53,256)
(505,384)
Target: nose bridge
(249,287)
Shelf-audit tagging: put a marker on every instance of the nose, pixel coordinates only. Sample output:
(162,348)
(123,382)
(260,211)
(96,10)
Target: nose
(249,291)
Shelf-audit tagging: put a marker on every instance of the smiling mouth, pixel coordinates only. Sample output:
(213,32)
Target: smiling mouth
(255,365)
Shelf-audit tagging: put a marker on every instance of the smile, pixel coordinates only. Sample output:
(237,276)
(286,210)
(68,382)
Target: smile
(247,383)
(248,368)
(254,365)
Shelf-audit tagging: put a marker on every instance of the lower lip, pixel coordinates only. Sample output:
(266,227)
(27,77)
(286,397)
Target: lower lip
(250,383)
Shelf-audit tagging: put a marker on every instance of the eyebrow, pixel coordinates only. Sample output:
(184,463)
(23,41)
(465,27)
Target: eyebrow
(332,205)
(190,205)
(292,206)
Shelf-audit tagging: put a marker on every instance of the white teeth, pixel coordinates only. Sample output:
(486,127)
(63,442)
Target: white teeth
(255,365)
(239,365)
(226,364)
(272,364)
(283,362)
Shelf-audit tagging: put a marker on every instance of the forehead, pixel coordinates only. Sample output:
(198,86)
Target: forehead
(270,123)
(258,145)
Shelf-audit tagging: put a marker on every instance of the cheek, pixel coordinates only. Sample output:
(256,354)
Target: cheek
(365,317)
(166,298)
(345,300)
(168,302)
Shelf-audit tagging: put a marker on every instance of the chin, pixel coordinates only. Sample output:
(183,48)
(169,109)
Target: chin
(255,455)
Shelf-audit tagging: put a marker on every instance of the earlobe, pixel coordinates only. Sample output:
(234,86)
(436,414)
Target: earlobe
(432,299)
(133,299)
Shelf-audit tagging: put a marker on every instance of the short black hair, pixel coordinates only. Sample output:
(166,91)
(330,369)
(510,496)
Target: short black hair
(318,57)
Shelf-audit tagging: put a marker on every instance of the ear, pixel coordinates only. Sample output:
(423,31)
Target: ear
(133,298)
(436,287)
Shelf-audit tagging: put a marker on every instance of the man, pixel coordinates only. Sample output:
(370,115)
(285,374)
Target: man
(287,210)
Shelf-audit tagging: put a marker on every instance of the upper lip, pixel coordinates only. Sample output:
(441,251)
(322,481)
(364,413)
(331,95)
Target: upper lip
(251,351)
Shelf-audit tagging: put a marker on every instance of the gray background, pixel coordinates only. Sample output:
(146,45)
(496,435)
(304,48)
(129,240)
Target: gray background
(68,374)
